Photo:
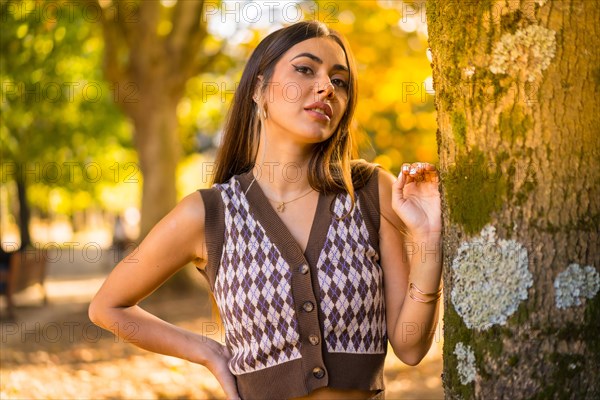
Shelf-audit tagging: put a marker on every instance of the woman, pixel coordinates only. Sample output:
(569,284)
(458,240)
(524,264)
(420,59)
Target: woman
(292,243)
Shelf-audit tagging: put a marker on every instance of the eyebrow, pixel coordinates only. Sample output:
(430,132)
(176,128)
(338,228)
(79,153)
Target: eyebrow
(316,59)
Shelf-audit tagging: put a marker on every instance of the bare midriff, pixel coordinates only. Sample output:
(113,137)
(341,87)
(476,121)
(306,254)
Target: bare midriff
(335,394)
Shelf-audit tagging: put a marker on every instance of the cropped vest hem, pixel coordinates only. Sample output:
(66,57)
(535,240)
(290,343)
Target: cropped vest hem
(292,379)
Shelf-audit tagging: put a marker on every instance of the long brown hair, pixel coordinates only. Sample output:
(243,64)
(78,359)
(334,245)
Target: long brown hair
(334,166)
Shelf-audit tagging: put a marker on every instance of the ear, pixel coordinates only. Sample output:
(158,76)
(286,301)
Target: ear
(257,89)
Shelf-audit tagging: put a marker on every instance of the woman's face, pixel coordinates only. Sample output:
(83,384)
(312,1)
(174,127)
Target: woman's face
(310,72)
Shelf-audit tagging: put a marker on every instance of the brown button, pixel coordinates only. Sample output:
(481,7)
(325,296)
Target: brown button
(303,269)
(318,372)
(313,339)
(308,306)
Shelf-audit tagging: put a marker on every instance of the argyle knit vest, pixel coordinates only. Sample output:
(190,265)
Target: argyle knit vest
(295,321)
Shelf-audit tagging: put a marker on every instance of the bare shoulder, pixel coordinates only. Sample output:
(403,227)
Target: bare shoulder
(192,207)
(389,217)
(189,215)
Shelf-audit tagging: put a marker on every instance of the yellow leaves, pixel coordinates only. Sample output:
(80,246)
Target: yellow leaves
(384,160)
(82,200)
(426,150)
(366,55)
(383,140)
(119,197)
(406,121)
(402,106)
(373,24)
(193,172)
(43,46)
(92,44)
(387,94)
(364,110)
(164,27)
(59,33)
(184,108)
(346,19)
(22,31)
(426,121)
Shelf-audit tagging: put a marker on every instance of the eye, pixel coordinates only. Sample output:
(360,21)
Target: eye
(302,70)
(341,83)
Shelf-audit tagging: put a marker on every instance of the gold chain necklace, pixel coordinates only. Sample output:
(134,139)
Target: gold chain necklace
(281,205)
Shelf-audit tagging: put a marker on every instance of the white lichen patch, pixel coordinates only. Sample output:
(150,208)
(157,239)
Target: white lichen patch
(466,363)
(528,51)
(490,279)
(469,71)
(541,2)
(574,284)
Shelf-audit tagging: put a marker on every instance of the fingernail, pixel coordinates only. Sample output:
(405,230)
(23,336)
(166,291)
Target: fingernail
(412,170)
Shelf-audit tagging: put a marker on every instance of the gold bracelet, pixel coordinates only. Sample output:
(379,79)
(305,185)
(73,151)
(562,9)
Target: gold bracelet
(412,296)
(437,294)
(420,300)
(415,298)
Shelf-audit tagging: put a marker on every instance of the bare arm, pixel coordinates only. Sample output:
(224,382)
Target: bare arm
(411,324)
(175,241)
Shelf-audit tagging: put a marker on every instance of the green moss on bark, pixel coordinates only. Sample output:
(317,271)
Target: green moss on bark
(565,367)
(452,90)
(596,77)
(520,317)
(510,22)
(475,187)
(486,345)
(523,194)
(487,87)
(591,326)
(459,333)
(514,123)
(459,128)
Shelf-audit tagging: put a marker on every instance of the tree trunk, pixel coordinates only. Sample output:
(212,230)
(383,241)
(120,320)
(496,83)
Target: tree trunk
(518,99)
(24,210)
(159,151)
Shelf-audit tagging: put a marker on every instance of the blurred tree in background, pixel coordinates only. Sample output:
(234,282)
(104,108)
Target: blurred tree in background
(154,48)
(58,117)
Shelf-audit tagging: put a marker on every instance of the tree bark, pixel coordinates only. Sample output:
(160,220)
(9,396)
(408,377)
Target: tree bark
(518,99)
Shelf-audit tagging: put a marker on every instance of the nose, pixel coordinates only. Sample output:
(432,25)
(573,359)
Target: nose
(328,89)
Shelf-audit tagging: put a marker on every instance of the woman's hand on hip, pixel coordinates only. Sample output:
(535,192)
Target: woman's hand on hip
(217,362)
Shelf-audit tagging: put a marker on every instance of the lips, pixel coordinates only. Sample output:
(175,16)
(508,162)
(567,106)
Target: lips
(321,106)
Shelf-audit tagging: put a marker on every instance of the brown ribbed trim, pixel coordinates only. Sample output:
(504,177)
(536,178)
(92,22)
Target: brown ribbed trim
(347,371)
(304,286)
(369,196)
(278,382)
(356,371)
(214,232)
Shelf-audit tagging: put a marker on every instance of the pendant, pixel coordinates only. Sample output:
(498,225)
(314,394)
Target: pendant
(281,207)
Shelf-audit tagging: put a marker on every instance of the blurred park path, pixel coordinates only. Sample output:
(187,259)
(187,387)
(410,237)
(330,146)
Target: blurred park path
(55,352)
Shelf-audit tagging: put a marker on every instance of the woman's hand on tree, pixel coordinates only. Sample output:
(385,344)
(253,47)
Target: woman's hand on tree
(416,198)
